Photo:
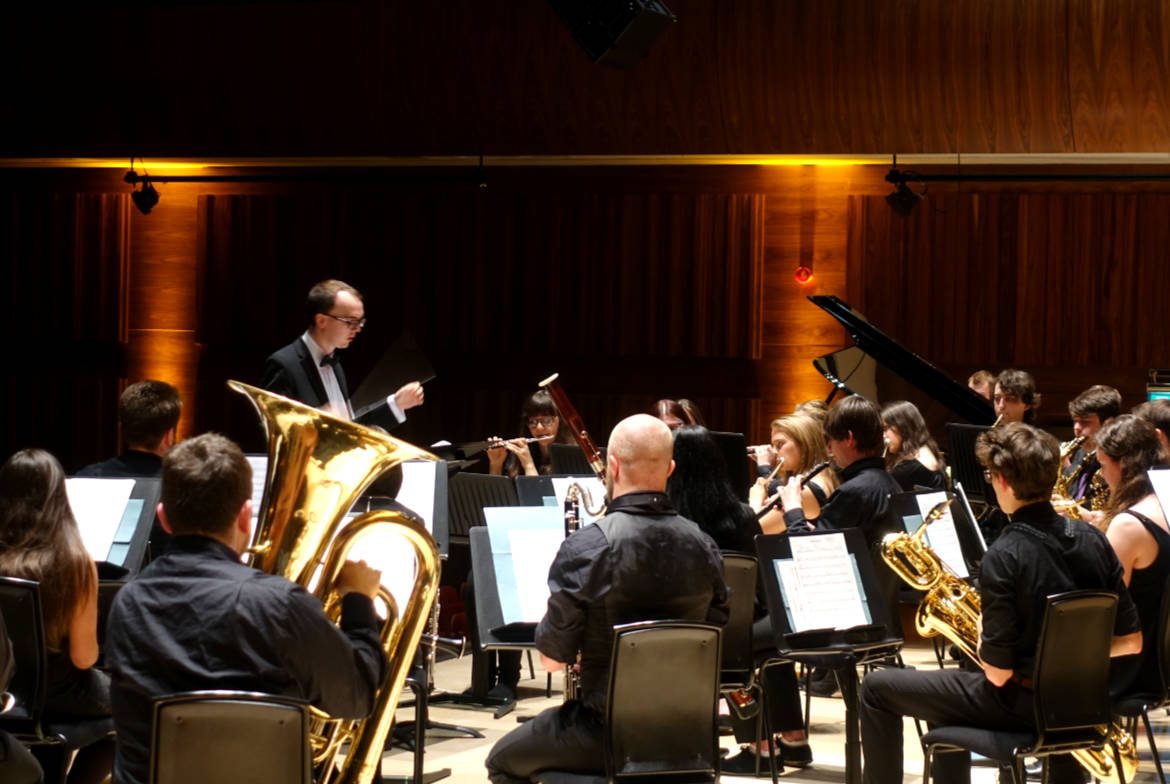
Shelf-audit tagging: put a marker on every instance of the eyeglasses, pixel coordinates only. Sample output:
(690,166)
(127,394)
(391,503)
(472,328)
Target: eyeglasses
(352,323)
(541,421)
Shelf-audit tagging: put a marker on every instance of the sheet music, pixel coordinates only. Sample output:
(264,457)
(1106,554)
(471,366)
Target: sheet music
(418,490)
(591,483)
(941,536)
(524,541)
(259,465)
(826,580)
(961,494)
(98,506)
(1160,479)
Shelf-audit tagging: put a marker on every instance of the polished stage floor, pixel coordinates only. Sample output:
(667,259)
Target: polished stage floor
(464,756)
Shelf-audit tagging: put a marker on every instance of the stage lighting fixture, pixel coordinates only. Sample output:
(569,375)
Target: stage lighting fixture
(146,198)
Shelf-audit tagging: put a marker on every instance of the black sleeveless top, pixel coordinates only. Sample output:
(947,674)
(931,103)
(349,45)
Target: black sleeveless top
(1138,674)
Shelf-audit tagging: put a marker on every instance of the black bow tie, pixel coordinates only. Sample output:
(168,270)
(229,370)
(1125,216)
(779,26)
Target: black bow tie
(329,359)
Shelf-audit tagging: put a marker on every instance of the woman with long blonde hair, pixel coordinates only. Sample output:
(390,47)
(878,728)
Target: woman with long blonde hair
(800,442)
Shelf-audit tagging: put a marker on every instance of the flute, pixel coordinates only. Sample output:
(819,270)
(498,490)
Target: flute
(804,480)
(497,443)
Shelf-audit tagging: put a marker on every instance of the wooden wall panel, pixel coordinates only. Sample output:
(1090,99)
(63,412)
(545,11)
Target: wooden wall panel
(1058,284)
(473,78)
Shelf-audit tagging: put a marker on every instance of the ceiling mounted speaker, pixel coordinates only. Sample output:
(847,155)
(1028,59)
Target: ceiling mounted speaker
(617,33)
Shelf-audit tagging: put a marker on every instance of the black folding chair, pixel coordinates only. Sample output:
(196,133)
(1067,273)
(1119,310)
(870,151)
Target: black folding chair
(1070,689)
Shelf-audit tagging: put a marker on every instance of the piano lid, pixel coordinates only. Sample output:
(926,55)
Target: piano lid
(853,368)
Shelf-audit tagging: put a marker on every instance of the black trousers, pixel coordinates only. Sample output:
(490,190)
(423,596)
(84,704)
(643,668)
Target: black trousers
(784,709)
(17,764)
(568,737)
(938,697)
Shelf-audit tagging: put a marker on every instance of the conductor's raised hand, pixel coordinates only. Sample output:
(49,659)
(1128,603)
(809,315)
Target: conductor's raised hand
(409,395)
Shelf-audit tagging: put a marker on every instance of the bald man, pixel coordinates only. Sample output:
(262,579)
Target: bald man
(641,562)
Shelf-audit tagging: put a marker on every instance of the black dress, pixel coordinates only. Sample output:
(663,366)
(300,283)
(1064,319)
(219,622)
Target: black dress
(911,474)
(1138,674)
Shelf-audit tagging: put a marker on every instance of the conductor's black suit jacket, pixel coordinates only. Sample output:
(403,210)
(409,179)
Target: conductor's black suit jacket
(292,373)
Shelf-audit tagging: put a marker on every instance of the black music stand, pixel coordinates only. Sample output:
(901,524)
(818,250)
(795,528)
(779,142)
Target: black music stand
(494,634)
(469,494)
(740,470)
(839,650)
(965,467)
(971,544)
(127,551)
(532,490)
(570,460)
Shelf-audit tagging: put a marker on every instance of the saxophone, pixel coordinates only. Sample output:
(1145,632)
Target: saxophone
(952,608)
(1064,482)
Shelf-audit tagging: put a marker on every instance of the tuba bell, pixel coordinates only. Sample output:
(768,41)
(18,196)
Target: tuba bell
(952,608)
(318,465)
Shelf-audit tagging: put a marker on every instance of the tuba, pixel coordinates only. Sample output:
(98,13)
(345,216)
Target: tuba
(318,465)
(952,608)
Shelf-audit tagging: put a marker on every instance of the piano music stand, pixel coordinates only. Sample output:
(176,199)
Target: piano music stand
(839,650)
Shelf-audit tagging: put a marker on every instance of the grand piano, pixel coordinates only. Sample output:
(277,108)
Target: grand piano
(872,366)
(882,370)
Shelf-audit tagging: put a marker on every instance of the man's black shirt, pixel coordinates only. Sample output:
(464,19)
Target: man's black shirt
(130,463)
(861,501)
(1040,554)
(641,562)
(197,618)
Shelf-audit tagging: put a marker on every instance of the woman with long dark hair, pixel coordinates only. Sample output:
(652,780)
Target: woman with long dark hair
(700,490)
(1137,528)
(539,419)
(40,540)
(912,457)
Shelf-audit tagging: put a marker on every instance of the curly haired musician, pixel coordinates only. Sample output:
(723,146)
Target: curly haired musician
(641,562)
(1038,554)
(197,618)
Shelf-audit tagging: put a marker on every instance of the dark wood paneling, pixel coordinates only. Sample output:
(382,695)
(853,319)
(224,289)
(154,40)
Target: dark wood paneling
(1060,284)
(468,78)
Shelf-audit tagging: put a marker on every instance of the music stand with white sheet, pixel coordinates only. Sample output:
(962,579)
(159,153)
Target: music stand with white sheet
(115,516)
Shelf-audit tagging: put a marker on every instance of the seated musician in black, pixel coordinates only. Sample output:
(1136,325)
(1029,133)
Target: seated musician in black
(1038,554)
(148,413)
(853,434)
(1089,410)
(641,562)
(197,618)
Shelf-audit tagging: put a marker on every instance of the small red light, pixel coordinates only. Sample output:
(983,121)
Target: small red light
(803,274)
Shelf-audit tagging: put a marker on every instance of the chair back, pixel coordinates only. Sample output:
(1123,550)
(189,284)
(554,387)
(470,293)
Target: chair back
(229,736)
(739,573)
(20,603)
(663,688)
(1071,680)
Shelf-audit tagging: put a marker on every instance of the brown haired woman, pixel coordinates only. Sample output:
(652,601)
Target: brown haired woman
(39,540)
(1136,527)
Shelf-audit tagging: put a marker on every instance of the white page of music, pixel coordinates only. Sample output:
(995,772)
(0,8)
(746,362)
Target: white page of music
(534,546)
(1160,479)
(418,490)
(941,535)
(591,483)
(824,570)
(259,465)
(98,505)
